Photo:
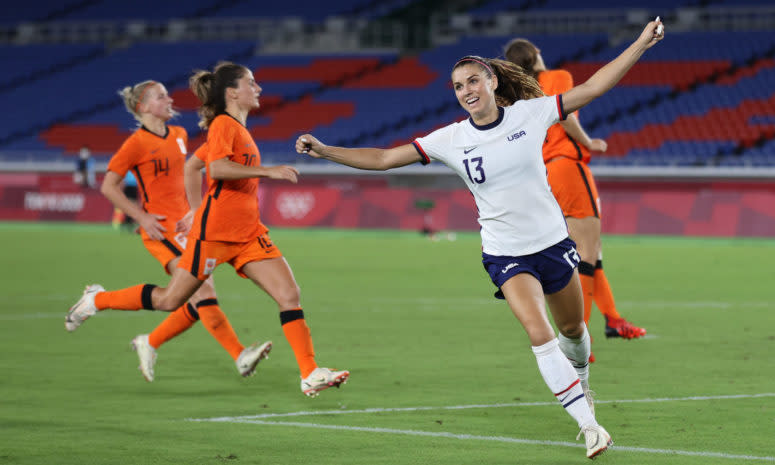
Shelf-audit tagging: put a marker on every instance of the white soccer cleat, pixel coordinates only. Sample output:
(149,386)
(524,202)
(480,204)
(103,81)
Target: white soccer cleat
(322,378)
(250,356)
(82,309)
(588,395)
(597,439)
(147,355)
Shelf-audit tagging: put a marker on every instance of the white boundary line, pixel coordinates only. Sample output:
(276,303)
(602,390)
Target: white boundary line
(257,420)
(464,407)
(446,435)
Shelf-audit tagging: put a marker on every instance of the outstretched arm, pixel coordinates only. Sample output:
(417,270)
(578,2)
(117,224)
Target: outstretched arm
(361,158)
(607,76)
(225,169)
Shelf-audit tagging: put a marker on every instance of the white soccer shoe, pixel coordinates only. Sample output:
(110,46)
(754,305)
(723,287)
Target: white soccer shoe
(82,309)
(147,355)
(589,396)
(322,378)
(250,356)
(597,438)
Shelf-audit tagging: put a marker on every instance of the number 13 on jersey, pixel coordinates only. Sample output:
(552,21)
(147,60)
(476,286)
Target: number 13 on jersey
(475,165)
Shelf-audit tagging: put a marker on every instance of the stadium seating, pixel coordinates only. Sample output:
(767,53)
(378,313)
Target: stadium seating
(709,101)
(155,11)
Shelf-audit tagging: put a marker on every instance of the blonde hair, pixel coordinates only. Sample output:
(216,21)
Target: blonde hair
(513,82)
(134,95)
(210,88)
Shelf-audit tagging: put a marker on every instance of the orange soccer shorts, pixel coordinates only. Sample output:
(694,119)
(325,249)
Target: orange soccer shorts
(574,187)
(202,257)
(167,249)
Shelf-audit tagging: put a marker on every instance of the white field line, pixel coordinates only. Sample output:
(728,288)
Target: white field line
(472,406)
(257,420)
(446,435)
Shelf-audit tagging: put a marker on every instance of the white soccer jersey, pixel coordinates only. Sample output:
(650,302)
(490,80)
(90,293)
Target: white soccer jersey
(503,166)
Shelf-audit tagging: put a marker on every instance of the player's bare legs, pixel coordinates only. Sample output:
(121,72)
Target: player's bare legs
(526,299)
(525,296)
(275,277)
(566,306)
(586,233)
(181,287)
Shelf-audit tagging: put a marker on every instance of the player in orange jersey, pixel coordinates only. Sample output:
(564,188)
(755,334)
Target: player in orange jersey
(226,226)
(155,153)
(567,154)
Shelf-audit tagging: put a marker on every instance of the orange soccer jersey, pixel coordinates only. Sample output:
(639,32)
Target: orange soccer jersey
(229,212)
(157,163)
(558,143)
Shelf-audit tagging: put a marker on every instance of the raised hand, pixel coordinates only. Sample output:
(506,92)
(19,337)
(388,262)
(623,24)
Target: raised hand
(652,33)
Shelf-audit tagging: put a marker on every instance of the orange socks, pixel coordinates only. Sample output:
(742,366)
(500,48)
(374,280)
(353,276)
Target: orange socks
(298,335)
(587,277)
(132,298)
(219,327)
(604,298)
(177,322)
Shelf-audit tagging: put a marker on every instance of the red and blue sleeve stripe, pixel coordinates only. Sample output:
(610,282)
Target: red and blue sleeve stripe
(560,109)
(425,159)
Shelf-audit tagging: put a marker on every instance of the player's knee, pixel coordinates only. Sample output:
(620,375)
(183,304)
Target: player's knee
(289,296)
(571,330)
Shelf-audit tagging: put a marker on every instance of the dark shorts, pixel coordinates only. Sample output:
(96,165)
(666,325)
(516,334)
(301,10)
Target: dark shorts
(552,267)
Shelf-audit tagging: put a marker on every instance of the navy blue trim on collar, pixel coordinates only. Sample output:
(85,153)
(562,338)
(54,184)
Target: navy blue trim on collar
(166,131)
(485,127)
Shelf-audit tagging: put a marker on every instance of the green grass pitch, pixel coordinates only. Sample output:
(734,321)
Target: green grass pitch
(442,373)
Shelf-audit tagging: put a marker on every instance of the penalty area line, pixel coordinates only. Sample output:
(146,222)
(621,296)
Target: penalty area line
(471,437)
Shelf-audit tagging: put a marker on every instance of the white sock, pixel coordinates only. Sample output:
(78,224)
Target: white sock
(562,379)
(577,351)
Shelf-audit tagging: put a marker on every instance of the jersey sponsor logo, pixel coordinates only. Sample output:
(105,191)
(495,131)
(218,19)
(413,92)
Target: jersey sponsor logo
(209,266)
(181,145)
(516,136)
(509,266)
(465,151)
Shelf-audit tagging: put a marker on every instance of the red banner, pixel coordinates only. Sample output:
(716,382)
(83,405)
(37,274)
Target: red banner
(691,208)
(49,197)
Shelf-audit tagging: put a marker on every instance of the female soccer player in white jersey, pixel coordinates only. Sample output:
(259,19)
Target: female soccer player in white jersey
(525,244)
